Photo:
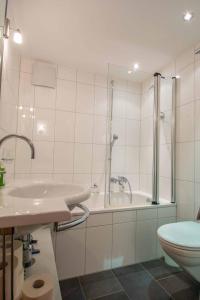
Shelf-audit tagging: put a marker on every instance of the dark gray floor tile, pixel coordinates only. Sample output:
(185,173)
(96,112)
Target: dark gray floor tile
(159,269)
(71,290)
(141,286)
(117,296)
(181,287)
(128,269)
(100,284)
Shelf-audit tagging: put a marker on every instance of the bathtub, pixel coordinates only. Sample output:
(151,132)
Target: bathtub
(115,235)
(120,201)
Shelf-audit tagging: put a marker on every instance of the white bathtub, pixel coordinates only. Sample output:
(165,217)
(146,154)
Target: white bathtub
(120,201)
(121,234)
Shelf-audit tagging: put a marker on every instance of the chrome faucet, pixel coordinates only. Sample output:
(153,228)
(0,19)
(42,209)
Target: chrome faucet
(122,180)
(22,137)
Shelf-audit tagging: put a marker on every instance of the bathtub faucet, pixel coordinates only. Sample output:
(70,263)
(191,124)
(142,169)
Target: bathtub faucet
(122,180)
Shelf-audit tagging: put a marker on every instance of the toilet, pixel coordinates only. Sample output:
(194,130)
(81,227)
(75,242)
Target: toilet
(181,241)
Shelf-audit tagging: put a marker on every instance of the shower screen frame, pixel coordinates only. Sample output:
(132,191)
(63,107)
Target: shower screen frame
(156,140)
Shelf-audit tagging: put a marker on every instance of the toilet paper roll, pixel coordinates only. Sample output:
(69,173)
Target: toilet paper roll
(38,287)
(8,277)
(18,252)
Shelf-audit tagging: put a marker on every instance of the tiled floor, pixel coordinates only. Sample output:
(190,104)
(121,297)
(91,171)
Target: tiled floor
(152,280)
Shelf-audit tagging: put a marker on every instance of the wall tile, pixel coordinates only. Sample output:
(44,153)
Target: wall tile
(146,240)
(185,123)
(101,102)
(123,249)
(124,216)
(44,123)
(63,157)
(146,135)
(85,99)
(45,97)
(132,106)
(132,133)
(23,158)
(84,128)
(185,200)
(66,95)
(165,160)
(98,165)
(72,241)
(99,219)
(43,162)
(185,86)
(197,79)
(100,130)
(26,117)
(146,158)
(185,161)
(132,159)
(64,126)
(196,119)
(26,90)
(98,248)
(82,159)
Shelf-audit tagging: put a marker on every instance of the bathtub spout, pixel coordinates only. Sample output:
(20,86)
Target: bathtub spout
(122,180)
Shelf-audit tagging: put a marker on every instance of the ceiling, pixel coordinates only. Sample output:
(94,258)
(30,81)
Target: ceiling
(91,33)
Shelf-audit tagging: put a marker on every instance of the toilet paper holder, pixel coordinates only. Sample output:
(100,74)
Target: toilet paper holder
(4,232)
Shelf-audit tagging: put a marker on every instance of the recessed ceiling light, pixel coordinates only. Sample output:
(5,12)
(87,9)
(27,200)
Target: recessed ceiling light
(136,66)
(187,16)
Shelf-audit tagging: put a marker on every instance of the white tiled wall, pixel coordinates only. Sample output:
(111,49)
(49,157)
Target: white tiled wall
(187,140)
(126,124)
(9,98)
(187,66)
(67,125)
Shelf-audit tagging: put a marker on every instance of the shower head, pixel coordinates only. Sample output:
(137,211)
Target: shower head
(114,139)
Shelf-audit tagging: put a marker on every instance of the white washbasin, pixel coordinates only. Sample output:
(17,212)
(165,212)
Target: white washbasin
(25,203)
(70,193)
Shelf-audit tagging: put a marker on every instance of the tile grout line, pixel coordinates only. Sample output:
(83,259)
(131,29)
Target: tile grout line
(120,284)
(82,288)
(156,281)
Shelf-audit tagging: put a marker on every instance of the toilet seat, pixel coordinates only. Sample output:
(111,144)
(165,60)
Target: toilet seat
(182,235)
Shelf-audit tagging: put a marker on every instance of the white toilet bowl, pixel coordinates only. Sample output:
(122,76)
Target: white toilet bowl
(181,241)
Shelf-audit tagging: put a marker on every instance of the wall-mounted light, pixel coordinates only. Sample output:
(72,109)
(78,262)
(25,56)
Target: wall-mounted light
(17,36)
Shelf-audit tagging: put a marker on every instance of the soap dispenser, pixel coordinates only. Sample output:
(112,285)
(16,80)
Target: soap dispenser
(2,175)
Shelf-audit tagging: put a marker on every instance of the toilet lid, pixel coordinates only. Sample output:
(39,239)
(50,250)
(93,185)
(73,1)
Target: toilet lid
(184,234)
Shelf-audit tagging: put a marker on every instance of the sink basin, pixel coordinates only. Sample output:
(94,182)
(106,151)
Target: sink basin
(29,203)
(70,193)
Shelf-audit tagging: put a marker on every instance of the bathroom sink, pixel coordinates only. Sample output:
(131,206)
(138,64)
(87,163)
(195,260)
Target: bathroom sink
(71,193)
(29,203)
